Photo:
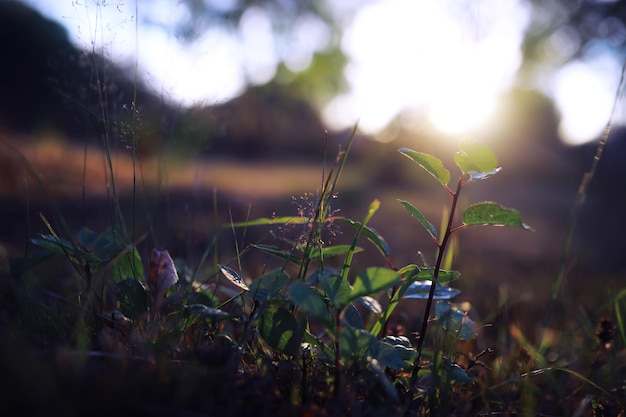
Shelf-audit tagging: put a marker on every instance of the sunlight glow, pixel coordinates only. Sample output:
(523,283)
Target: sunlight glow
(193,75)
(585,100)
(257,41)
(431,55)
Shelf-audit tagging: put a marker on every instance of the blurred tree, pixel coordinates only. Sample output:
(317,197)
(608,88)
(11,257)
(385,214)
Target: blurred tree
(318,77)
(283,13)
(564,30)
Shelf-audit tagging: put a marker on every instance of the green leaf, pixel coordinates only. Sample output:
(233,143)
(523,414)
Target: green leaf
(458,374)
(86,237)
(233,277)
(395,352)
(128,266)
(373,280)
(475,158)
(421,291)
(355,342)
(280,330)
(371,304)
(493,214)
(325,350)
(336,288)
(310,301)
(455,321)
(202,294)
(413,272)
(269,285)
(132,298)
(371,234)
(444,275)
(388,356)
(352,317)
(108,243)
(430,163)
(400,341)
(421,218)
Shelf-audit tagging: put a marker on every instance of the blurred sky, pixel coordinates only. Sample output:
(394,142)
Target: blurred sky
(429,56)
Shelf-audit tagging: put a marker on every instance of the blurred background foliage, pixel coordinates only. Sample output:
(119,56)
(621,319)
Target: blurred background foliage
(47,82)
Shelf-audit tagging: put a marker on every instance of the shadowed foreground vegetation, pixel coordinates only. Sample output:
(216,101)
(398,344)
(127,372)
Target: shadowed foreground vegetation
(160,261)
(304,311)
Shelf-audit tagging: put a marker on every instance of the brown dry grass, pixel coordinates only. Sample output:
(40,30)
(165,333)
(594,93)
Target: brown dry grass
(63,169)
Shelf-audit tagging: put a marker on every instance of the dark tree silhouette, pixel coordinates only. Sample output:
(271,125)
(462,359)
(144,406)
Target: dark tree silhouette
(48,83)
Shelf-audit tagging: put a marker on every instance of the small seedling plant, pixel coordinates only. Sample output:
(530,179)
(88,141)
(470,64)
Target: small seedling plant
(330,298)
(476,162)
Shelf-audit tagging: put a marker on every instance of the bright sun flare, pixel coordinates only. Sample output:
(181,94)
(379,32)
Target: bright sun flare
(429,57)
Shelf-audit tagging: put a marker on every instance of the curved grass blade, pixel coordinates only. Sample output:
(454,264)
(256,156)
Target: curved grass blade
(371,234)
(279,253)
(265,221)
(339,250)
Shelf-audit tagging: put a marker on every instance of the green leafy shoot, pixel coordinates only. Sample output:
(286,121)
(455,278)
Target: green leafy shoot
(373,208)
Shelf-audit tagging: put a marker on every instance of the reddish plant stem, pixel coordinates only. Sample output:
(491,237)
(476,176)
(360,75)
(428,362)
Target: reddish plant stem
(431,294)
(337,384)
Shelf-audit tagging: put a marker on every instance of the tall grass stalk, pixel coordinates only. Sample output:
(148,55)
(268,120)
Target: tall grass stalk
(581,197)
